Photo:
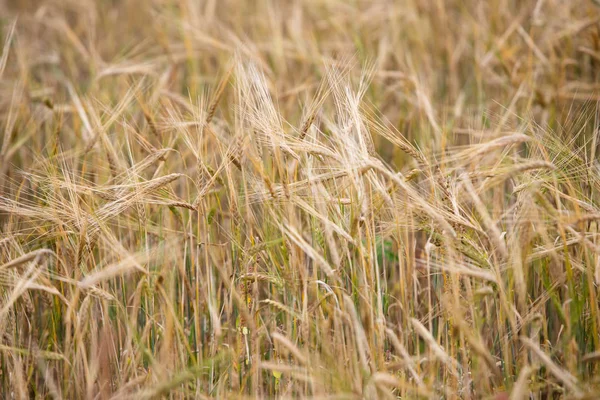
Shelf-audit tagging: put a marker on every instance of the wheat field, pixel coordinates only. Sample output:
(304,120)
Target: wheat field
(328,199)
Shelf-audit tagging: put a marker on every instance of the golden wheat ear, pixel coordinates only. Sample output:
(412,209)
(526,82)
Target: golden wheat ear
(299,199)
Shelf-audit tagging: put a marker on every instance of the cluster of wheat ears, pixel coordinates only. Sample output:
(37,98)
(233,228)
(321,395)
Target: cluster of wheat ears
(321,198)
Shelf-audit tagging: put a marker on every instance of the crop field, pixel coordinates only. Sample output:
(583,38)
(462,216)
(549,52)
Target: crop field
(325,199)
